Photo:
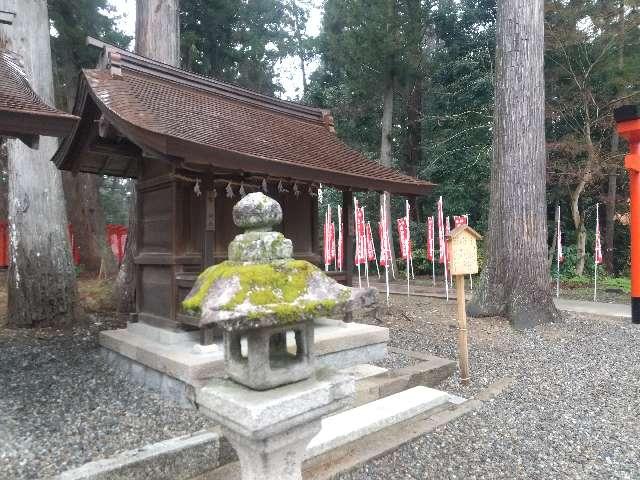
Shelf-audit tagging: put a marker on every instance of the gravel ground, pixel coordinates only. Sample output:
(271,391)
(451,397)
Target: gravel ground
(397,360)
(62,407)
(571,412)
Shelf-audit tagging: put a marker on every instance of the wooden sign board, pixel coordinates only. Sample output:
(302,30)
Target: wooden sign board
(463,250)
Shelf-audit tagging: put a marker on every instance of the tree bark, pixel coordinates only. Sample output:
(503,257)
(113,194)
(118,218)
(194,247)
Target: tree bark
(386,147)
(84,208)
(610,217)
(515,282)
(41,277)
(584,179)
(610,225)
(414,103)
(158,30)
(157,37)
(86,215)
(414,140)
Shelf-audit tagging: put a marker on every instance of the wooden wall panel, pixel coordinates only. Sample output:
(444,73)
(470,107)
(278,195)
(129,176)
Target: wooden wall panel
(155,294)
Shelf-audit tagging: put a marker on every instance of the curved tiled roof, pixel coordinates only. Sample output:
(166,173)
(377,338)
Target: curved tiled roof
(185,115)
(22,111)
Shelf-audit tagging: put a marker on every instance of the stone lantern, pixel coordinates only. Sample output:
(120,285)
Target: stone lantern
(265,301)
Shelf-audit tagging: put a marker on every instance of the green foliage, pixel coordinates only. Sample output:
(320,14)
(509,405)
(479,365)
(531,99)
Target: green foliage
(362,41)
(604,282)
(115,195)
(239,41)
(73,21)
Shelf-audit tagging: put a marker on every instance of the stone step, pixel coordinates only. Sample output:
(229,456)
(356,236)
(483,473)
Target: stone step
(350,425)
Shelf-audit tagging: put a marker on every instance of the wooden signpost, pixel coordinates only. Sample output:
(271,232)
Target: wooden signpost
(463,252)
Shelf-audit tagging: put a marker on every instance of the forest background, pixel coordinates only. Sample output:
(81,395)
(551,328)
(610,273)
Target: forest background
(429,65)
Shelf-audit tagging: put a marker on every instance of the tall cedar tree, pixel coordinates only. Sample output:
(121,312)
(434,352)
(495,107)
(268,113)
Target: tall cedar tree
(73,20)
(41,280)
(515,281)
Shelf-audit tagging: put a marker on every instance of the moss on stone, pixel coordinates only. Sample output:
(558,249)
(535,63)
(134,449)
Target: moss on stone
(275,286)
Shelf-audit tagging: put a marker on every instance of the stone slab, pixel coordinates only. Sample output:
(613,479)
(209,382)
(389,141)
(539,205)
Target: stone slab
(164,336)
(174,459)
(364,370)
(255,414)
(617,310)
(350,425)
(343,344)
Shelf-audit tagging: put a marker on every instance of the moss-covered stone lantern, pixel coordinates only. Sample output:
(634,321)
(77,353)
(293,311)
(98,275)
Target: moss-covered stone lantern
(263,297)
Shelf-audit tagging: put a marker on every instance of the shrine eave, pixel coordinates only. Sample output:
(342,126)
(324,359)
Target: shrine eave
(136,105)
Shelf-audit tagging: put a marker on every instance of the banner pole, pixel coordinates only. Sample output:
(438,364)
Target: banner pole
(558,239)
(595,256)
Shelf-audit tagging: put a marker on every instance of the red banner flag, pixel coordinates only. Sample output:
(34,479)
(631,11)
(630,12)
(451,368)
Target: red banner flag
(441,242)
(430,239)
(403,234)
(460,220)
(328,242)
(340,253)
(371,249)
(361,245)
(598,250)
(560,254)
(447,231)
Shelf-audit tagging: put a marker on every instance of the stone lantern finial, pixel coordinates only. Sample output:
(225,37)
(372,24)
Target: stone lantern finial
(258,214)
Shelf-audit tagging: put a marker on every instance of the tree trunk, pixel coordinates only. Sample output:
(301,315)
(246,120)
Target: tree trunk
(515,281)
(610,225)
(126,279)
(386,148)
(578,224)
(41,277)
(85,213)
(158,30)
(414,103)
(84,208)
(610,217)
(585,178)
(414,140)
(157,37)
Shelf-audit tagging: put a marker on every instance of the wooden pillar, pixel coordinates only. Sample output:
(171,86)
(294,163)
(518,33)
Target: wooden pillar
(210,229)
(348,234)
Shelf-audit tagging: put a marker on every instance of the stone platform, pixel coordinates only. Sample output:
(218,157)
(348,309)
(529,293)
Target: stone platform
(174,364)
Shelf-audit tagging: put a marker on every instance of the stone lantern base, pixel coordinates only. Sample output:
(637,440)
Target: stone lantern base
(268,362)
(270,430)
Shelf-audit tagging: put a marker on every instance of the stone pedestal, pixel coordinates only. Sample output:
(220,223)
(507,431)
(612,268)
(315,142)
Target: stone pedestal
(279,457)
(270,430)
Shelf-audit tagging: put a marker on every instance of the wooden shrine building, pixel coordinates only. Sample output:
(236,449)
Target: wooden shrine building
(23,114)
(195,145)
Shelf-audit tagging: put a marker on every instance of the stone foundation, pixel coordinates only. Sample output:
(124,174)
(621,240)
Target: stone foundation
(173,364)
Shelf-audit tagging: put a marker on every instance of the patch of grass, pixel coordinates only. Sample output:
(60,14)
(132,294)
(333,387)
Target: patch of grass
(583,281)
(95,295)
